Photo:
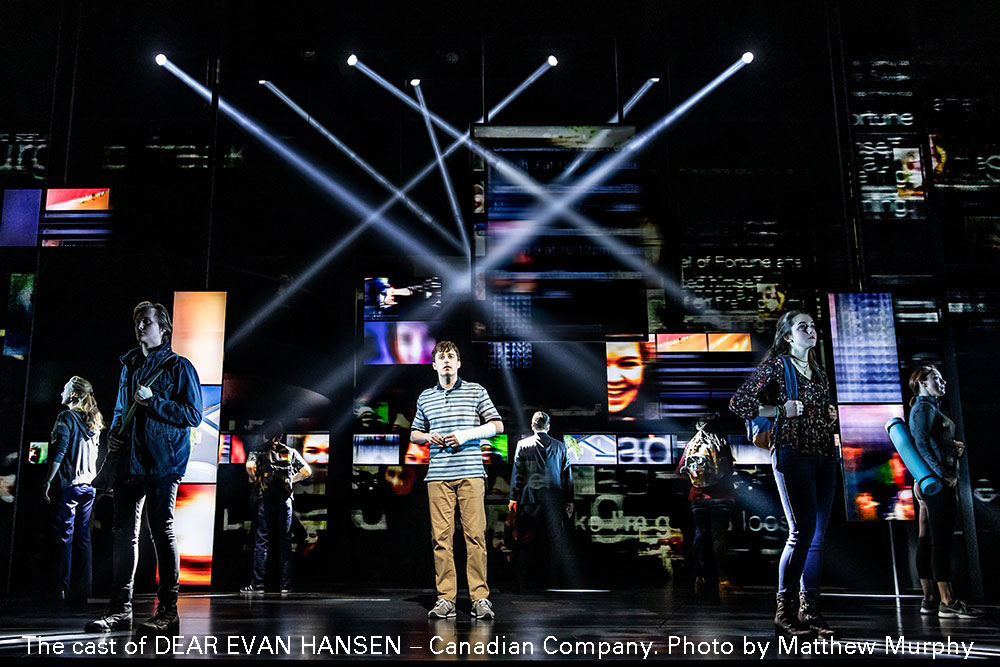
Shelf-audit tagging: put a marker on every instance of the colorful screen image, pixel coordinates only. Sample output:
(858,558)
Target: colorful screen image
(78,199)
(376,449)
(19,218)
(194,525)
(745,453)
(494,449)
(729,342)
(394,299)
(417,454)
(682,342)
(640,449)
(203,464)
(314,447)
(631,394)
(591,449)
(199,331)
(232,449)
(388,343)
(877,485)
(313,485)
(38,453)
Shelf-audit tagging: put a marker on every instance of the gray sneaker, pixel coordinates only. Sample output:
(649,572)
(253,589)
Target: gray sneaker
(928,607)
(442,609)
(483,609)
(958,609)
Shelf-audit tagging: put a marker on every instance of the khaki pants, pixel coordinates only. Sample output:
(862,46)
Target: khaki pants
(469,494)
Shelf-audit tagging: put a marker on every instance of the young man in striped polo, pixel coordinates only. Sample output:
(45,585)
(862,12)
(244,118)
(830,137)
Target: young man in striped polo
(451,418)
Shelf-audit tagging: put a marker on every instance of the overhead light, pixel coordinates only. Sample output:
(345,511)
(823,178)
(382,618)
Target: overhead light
(553,61)
(160,59)
(414,82)
(747,57)
(352,60)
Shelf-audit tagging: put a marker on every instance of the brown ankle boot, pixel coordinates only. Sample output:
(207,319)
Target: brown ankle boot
(786,622)
(809,615)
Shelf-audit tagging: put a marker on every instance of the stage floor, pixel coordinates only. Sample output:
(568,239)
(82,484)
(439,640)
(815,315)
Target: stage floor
(654,624)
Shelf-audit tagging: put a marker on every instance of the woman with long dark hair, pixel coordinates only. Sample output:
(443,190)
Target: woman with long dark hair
(934,435)
(804,460)
(72,467)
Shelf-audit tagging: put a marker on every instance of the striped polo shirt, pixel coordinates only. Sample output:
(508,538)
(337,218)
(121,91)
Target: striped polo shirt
(465,405)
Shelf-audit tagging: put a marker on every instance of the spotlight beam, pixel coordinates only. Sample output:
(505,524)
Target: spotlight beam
(449,188)
(584,152)
(314,175)
(514,391)
(313,269)
(523,180)
(365,166)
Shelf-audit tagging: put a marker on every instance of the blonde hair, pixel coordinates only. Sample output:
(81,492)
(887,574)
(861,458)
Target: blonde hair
(82,400)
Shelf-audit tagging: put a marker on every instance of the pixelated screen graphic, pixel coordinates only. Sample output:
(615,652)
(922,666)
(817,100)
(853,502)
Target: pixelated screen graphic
(78,199)
(646,449)
(866,362)
(194,525)
(376,449)
(387,298)
(729,342)
(684,342)
(314,447)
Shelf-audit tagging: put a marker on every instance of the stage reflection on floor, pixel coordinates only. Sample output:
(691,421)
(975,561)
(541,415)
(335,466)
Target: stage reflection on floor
(393,624)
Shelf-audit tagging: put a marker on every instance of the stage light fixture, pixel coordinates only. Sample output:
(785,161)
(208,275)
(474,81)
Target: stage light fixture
(414,82)
(655,79)
(747,58)
(553,61)
(368,169)
(160,59)
(262,82)
(352,60)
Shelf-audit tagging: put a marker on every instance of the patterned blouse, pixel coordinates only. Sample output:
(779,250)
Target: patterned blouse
(809,433)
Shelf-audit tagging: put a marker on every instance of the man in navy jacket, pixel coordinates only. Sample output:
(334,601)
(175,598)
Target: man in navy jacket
(153,448)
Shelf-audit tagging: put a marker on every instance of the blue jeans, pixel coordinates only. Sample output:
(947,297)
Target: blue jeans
(274,521)
(159,496)
(711,522)
(805,484)
(72,507)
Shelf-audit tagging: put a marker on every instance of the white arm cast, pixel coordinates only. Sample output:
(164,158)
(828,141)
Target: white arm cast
(487,430)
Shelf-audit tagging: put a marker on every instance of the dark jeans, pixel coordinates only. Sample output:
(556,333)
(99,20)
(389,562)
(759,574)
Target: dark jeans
(273,522)
(159,496)
(711,521)
(543,547)
(806,485)
(936,526)
(72,507)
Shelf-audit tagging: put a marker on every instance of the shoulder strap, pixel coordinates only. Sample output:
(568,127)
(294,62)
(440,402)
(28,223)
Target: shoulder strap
(791,381)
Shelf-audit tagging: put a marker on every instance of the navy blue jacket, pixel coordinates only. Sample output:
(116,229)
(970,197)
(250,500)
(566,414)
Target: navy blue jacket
(541,473)
(69,435)
(161,431)
(934,435)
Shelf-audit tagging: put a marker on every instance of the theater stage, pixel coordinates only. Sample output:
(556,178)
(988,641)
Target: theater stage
(657,624)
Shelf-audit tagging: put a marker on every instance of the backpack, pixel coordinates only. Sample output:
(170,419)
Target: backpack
(701,459)
(759,429)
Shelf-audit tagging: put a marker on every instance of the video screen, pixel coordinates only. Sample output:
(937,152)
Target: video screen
(388,343)
(877,485)
(194,525)
(590,449)
(376,449)
(314,447)
(494,450)
(535,290)
(745,453)
(729,342)
(392,299)
(20,310)
(203,464)
(646,383)
(232,449)
(646,449)
(684,342)
(19,218)
(77,199)
(38,453)
(866,362)
(199,331)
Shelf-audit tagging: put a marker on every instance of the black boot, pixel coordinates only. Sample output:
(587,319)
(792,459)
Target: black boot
(117,617)
(786,622)
(809,614)
(164,622)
